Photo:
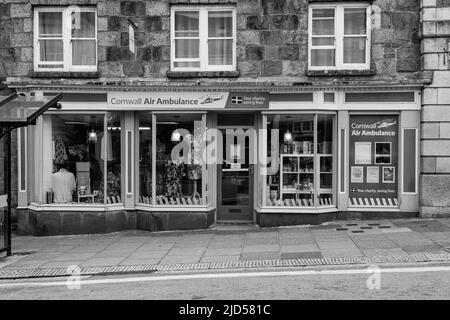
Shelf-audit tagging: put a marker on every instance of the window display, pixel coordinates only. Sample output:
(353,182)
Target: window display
(145,158)
(178,160)
(82,151)
(301,161)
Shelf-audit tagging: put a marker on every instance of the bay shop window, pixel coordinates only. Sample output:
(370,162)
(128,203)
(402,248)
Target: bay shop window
(300,151)
(171,168)
(82,159)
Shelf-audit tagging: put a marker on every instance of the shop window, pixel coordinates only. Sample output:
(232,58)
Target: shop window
(339,36)
(300,172)
(85,155)
(145,158)
(203,38)
(177,176)
(66,39)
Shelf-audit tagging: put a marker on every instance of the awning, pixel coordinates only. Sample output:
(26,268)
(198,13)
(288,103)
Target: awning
(20,111)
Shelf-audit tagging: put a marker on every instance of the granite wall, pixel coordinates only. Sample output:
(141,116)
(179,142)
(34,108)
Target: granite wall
(435,164)
(272,38)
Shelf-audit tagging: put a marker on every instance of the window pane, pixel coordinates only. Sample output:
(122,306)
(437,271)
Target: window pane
(323,41)
(220,52)
(322,57)
(220,24)
(51,50)
(187,48)
(355,21)
(83,24)
(325,132)
(290,148)
(186,64)
(323,27)
(323,13)
(145,158)
(50,24)
(186,24)
(178,160)
(111,146)
(84,52)
(355,50)
(78,160)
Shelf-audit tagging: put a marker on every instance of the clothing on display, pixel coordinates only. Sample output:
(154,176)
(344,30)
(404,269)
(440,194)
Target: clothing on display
(63,183)
(60,154)
(106,149)
(174,173)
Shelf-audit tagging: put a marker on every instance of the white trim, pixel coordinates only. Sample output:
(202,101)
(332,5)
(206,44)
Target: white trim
(294,210)
(339,36)
(19,159)
(66,38)
(203,38)
(74,207)
(174,208)
(129,174)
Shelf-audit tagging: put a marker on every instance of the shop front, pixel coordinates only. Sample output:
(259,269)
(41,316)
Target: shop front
(188,158)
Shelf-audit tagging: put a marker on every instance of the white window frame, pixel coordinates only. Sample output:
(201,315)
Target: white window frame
(66,38)
(339,36)
(203,38)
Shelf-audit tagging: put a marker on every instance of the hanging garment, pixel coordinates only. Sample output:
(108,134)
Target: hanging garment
(109,154)
(63,183)
(174,174)
(60,151)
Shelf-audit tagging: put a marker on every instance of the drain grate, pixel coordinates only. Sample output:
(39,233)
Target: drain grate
(308,262)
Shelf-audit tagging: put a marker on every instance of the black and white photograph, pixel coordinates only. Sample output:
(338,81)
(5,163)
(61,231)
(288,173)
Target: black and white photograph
(224,158)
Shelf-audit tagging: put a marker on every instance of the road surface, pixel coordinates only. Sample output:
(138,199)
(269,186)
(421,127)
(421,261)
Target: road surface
(393,282)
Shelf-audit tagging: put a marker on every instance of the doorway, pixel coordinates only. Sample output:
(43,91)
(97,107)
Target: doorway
(235,173)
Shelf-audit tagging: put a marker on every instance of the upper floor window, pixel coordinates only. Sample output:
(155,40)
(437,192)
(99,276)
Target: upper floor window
(65,39)
(339,36)
(203,38)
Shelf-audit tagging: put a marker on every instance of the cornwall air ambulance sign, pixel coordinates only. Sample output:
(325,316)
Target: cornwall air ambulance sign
(187,100)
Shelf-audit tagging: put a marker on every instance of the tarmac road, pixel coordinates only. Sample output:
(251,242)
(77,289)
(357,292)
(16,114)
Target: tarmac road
(396,282)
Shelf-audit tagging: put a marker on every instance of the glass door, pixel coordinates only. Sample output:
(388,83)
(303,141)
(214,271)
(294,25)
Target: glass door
(235,178)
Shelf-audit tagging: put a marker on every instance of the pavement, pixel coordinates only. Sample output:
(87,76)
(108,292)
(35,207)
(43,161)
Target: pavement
(341,242)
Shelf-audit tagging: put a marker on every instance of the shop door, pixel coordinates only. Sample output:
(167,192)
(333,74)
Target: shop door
(235,177)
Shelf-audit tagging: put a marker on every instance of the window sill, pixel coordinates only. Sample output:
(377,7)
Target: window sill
(332,73)
(202,74)
(64,74)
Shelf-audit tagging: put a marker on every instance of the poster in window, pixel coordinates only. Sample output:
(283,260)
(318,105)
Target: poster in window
(374,147)
(388,175)
(357,174)
(363,153)
(373,175)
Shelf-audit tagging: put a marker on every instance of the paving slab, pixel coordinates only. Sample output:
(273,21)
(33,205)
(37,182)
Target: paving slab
(261,248)
(299,248)
(100,262)
(301,255)
(220,258)
(260,255)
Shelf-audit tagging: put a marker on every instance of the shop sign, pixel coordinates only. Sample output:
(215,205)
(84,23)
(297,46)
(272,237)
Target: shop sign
(187,100)
(373,161)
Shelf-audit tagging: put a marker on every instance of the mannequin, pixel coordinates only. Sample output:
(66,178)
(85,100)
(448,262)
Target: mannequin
(63,183)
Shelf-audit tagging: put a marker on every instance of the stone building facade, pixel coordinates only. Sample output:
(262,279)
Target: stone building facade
(435,42)
(272,55)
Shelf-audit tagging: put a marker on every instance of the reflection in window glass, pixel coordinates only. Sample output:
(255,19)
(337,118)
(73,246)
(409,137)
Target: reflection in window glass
(78,160)
(300,172)
(112,155)
(178,173)
(145,158)
(325,158)
(383,153)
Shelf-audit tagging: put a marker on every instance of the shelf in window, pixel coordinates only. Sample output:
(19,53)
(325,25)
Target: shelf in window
(325,155)
(296,155)
(296,191)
